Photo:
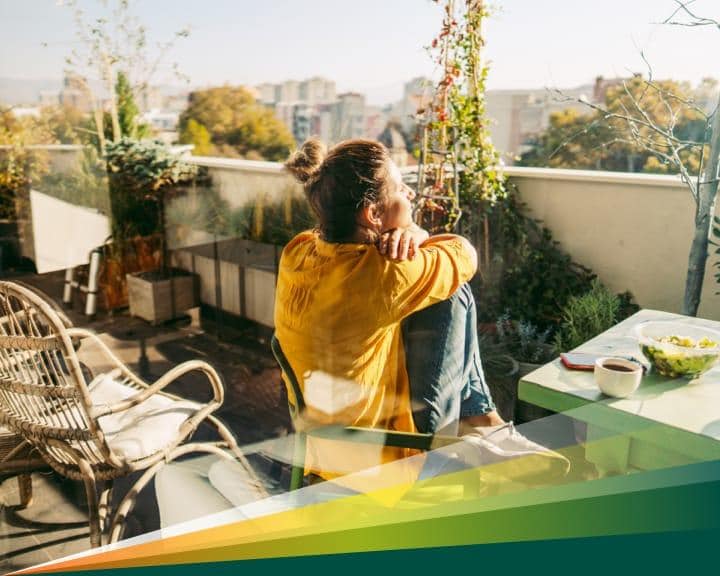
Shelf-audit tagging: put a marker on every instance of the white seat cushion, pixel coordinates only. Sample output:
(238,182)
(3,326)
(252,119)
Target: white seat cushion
(145,429)
(233,481)
(177,480)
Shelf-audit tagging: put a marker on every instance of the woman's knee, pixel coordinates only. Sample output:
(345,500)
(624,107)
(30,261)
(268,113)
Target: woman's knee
(444,312)
(464,296)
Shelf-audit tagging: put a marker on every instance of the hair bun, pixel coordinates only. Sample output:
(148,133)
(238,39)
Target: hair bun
(305,162)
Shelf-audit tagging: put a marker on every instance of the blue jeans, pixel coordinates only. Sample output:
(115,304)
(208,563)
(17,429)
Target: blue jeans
(442,357)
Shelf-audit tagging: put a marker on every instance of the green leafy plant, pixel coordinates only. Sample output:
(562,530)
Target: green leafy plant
(521,267)
(140,175)
(227,121)
(20,165)
(540,278)
(586,316)
(524,341)
(111,57)
(456,137)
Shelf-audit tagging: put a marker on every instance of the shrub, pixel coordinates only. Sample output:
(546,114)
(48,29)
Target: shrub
(586,316)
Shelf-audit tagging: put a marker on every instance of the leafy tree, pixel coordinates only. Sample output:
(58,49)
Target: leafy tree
(196,134)
(19,165)
(572,140)
(110,44)
(237,125)
(594,140)
(69,125)
(676,135)
(66,124)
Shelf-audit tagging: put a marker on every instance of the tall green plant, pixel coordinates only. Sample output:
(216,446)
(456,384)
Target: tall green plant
(521,268)
(140,175)
(586,316)
(109,43)
(456,139)
(128,111)
(19,165)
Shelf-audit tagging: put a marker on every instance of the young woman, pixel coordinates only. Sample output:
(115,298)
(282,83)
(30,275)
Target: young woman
(376,317)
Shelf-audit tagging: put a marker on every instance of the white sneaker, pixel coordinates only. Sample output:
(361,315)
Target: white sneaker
(517,457)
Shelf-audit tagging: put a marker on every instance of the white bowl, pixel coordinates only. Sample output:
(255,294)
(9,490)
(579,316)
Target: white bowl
(671,359)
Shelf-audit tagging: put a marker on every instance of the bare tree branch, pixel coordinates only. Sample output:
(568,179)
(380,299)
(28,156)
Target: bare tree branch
(696,20)
(650,126)
(607,114)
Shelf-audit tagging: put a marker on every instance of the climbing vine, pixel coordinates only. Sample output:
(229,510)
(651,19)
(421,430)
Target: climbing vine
(459,179)
(522,271)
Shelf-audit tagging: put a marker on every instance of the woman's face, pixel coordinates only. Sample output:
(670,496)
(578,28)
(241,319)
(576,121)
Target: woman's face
(398,209)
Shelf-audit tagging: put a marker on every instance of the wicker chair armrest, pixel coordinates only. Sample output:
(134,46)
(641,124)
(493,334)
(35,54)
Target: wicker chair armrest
(82,333)
(201,366)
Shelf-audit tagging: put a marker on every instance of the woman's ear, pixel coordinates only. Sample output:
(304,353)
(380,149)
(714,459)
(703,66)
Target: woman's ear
(370,216)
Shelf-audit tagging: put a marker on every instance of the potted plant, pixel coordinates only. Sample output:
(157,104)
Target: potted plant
(586,316)
(530,348)
(141,175)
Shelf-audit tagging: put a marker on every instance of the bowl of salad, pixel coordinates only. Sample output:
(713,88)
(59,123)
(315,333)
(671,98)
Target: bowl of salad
(676,348)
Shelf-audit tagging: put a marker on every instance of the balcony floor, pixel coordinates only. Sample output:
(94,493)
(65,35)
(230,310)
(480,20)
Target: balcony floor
(255,409)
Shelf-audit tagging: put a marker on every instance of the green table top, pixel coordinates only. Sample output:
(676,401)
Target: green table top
(681,414)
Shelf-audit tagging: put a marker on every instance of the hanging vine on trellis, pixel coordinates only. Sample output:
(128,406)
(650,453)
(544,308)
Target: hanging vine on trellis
(458,172)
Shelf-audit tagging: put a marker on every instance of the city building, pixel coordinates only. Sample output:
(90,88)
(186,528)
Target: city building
(75,93)
(317,90)
(266,93)
(305,107)
(417,95)
(376,119)
(348,117)
(518,115)
(288,91)
(302,121)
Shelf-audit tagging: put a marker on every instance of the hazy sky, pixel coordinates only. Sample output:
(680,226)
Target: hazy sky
(373,46)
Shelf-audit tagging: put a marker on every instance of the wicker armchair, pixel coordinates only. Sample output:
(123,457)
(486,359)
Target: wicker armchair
(17,459)
(100,430)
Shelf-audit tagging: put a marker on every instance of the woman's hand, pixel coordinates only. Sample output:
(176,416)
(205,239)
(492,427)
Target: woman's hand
(402,243)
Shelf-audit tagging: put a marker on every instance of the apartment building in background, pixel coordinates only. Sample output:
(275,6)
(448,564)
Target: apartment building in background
(518,115)
(417,95)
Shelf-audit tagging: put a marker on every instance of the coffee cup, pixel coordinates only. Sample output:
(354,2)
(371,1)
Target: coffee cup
(617,377)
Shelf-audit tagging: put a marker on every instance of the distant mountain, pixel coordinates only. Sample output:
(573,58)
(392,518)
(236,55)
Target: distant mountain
(24,91)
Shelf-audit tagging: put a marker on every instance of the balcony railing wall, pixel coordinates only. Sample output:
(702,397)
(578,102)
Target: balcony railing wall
(633,230)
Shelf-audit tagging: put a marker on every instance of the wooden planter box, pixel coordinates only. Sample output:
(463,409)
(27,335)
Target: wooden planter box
(236,276)
(159,299)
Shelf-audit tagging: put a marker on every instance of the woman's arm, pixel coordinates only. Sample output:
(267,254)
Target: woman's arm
(439,268)
(469,248)
(403,244)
